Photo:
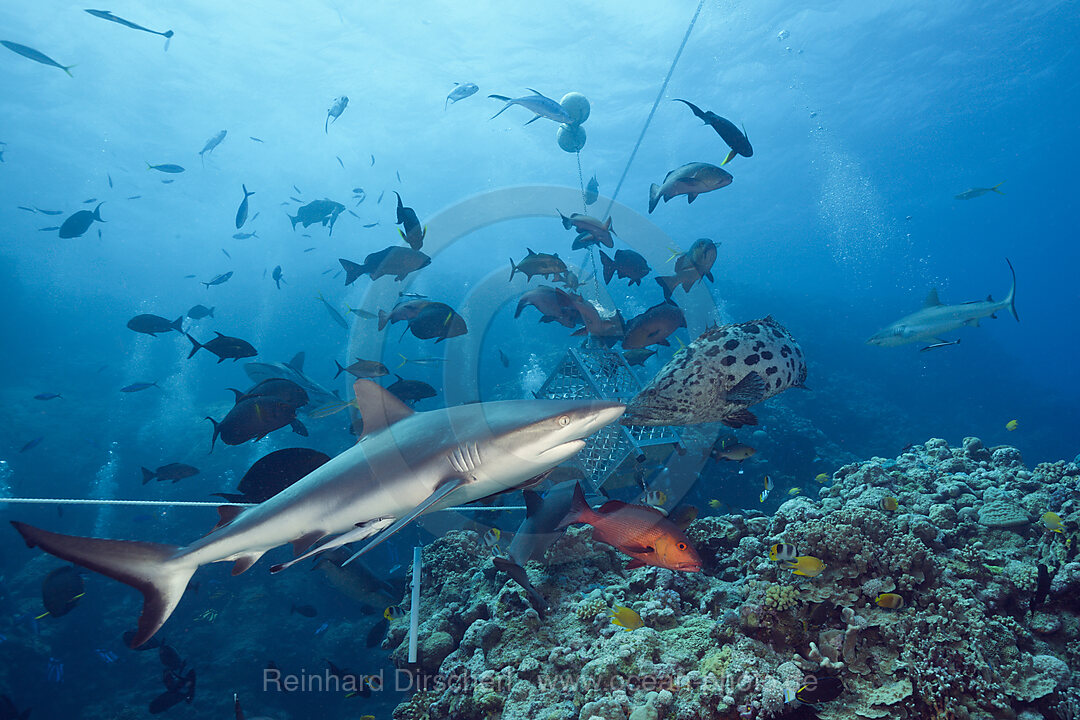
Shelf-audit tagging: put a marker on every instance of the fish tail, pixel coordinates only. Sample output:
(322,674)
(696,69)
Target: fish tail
(147,475)
(1011,298)
(609,266)
(178,325)
(579,511)
(152,568)
(167,34)
(384,317)
(217,431)
(654,196)
(995,188)
(513,269)
(339,369)
(668,283)
(730,156)
(195,345)
(97,212)
(293,220)
(67,69)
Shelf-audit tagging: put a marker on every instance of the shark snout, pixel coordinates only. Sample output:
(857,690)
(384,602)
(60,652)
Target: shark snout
(602,415)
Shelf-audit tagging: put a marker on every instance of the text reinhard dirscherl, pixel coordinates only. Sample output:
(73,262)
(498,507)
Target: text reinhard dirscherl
(273,680)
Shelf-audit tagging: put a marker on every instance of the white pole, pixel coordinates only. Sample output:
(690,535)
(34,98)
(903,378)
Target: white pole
(414,610)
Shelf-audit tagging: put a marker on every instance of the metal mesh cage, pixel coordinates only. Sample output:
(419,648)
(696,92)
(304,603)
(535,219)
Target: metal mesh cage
(602,373)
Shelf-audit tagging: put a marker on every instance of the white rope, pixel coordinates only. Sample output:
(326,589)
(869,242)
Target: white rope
(198,503)
(652,112)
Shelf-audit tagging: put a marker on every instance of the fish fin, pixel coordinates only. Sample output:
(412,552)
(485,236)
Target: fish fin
(195,346)
(691,197)
(441,492)
(932,299)
(730,156)
(1011,298)
(579,510)
(518,574)
(748,391)
(609,266)
(668,283)
(147,475)
(360,532)
(535,118)
(533,502)
(151,568)
(535,92)
(303,543)
(298,428)
(244,563)
(352,270)
(611,506)
(634,564)
(994,188)
(378,407)
(226,514)
(739,418)
(654,197)
(217,431)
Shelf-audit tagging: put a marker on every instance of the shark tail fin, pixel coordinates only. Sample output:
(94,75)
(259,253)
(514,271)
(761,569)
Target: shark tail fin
(1011,298)
(151,568)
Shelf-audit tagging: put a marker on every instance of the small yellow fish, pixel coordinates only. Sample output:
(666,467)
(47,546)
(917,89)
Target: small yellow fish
(491,540)
(768,483)
(763,496)
(367,717)
(395,612)
(1053,522)
(654,498)
(822,478)
(794,491)
(1012,425)
(625,618)
(890,601)
(715,504)
(889,504)
(783,552)
(807,565)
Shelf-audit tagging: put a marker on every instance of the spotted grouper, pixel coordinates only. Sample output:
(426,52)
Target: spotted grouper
(726,370)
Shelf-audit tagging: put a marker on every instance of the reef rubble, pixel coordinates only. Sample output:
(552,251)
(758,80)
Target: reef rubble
(988,627)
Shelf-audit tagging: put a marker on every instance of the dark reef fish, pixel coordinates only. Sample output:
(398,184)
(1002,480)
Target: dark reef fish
(411,232)
(35,55)
(274,472)
(362,369)
(278,388)
(79,222)
(324,211)
(690,267)
(592,191)
(255,418)
(690,180)
(554,304)
(198,312)
(154,324)
(173,472)
(591,231)
(628,264)
(653,326)
(727,369)
(1042,587)
(224,347)
(735,138)
(394,260)
(61,590)
(538,264)
(411,392)
(437,320)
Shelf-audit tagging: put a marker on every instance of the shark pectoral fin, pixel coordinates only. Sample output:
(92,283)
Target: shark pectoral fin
(244,562)
(973,322)
(305,541)
(360,532)
(440,493)
(378,407)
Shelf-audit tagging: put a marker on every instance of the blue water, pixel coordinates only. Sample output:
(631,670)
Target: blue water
(866,120)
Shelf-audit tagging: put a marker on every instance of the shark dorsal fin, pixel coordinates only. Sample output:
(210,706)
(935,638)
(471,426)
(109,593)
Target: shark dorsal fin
(931,299)
(297,363)
(378,407)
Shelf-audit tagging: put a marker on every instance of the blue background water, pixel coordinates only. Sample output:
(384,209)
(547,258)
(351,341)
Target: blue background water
(866,121)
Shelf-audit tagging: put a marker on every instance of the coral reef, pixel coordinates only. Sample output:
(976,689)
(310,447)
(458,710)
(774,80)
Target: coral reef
(973,639)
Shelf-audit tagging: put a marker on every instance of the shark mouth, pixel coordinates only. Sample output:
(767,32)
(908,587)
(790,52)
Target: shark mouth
(564,450)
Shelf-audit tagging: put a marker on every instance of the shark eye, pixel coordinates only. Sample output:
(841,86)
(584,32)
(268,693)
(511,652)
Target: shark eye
(564,420)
